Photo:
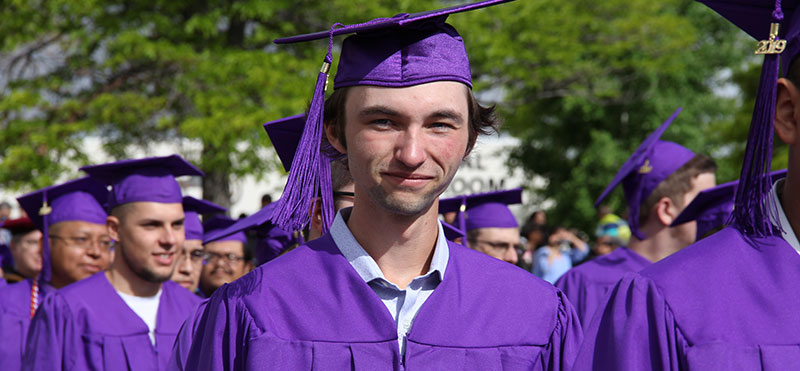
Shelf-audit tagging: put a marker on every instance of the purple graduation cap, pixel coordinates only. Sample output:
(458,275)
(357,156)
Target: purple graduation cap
(712,208)
(452,233)
(770,22)
(219,223)
(285,137)
(401,51)
(483,210)
(144,180)
(192,209)
(273,240)
(76,200)
(648,166)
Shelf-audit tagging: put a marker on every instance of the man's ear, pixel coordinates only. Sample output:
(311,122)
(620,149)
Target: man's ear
(316,216)
(666,211)
(112,223)
(333,138)
(787,111)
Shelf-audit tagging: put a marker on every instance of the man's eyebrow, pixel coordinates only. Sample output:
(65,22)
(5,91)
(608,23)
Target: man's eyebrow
(448,114)
(379,110)
(150,221)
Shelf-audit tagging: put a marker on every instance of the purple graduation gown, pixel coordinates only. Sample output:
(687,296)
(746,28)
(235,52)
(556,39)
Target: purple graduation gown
(587,284)
(720,304)
(87,326)
(309,309)
(15,318)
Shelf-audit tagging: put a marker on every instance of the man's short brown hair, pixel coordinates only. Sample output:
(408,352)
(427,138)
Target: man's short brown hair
(677,184)
(482,120)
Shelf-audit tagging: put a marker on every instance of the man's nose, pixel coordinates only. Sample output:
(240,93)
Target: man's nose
(510,255)
(411,149)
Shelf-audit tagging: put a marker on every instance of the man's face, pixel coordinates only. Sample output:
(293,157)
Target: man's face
(149,234)
(500,243)
(686,234)
(78,250)
(405,144)
(225,263)
(27,252)
(190,263)
(605,245)
(5,212)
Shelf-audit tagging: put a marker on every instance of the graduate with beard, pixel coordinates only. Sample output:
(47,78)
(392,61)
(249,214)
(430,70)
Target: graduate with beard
(384,289)
(127,317)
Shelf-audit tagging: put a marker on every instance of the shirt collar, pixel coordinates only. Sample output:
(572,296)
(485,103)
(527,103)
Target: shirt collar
(365,266)
(788,232)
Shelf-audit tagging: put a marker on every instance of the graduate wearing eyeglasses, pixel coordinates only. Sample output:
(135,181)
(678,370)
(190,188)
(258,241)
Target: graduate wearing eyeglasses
(192,256)
(75,246)
(226,258)
(486,222)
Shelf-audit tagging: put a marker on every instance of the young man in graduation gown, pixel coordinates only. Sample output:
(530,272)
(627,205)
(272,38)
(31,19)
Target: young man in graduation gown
(487,223)
(384,289)
(659,180)
(75,247)
(729,301)
(192,255)
(127,317)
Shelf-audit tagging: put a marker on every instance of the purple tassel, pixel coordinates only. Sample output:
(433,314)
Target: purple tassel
(461,220)
(754,211)
(310,172)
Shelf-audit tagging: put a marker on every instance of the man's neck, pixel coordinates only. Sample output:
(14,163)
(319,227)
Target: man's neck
(402,246)
(656,247)
(58,282)
(790,202)
(127,281)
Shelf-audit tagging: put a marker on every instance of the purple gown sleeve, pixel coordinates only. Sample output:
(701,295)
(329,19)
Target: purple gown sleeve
(635,330)
(571,284)
(183,343)
(52,337)
(566,338)
(222,334)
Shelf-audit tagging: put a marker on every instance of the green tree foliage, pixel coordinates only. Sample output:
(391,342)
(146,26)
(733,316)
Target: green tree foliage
(136,72)
(583,82)
(730,145)
(580,83)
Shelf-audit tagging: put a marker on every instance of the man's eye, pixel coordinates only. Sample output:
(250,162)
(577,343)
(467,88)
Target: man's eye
(442,126)
(80,240)
(381,122)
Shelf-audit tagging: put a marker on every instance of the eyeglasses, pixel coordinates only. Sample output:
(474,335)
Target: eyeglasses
(197,256)
(231,258)
(499,245)
(84,243)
